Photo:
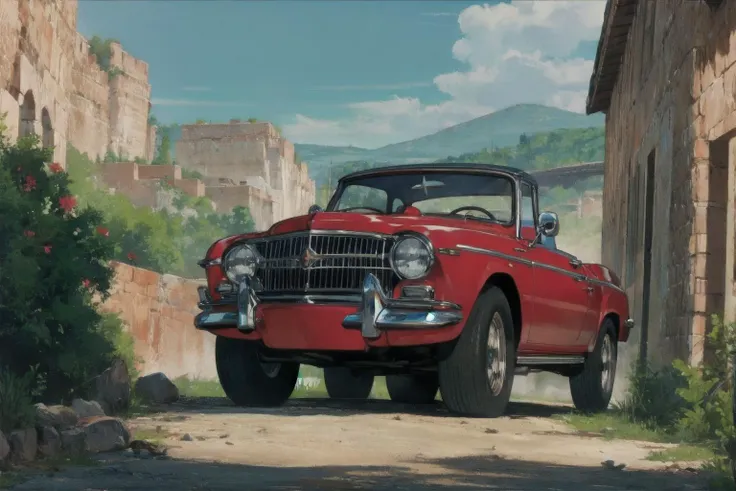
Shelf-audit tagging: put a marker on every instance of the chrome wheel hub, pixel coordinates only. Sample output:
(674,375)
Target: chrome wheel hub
(608,363)
(496,354)
(271,369)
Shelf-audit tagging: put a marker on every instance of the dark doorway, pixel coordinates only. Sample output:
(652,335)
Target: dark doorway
(47,136)
(647,273)
(27,115)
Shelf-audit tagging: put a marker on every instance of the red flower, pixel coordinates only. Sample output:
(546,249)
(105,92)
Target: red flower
(67,203)
(56,168)
(103,231)
(131,256)
(30,184)
(47,249)
(85,283)
(29,233)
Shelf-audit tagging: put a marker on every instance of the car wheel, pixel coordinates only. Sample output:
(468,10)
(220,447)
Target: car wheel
(476,379)
(343,383)
(249,382)
(592,387)
(413,389)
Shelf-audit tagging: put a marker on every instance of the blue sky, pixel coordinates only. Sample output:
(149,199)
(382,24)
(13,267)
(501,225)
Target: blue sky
(353,72)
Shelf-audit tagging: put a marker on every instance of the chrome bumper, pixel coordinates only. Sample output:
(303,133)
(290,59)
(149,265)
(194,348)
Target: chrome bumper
(377,312)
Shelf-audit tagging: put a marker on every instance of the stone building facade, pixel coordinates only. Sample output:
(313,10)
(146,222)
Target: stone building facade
(51,86)
(665,75)
(248,164)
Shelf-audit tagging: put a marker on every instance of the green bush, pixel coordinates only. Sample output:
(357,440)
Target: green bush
(54,258)
(15,400)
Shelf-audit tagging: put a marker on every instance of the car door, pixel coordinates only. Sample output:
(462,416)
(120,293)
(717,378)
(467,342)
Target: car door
(561,299)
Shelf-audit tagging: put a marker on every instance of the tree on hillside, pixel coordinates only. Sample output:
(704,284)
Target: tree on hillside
(239,221)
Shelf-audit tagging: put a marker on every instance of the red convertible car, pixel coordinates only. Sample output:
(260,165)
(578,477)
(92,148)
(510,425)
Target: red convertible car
(438,276)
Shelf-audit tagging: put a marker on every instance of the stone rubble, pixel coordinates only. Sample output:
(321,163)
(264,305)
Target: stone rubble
(156,388)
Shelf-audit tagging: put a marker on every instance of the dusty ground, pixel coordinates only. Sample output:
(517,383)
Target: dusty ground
(327,445)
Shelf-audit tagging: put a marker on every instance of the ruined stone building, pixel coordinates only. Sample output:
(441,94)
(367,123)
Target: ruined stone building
(51,86)
(247,164)
(665,75)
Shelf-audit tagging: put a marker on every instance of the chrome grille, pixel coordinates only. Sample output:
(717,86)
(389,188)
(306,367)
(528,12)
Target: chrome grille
(333,263)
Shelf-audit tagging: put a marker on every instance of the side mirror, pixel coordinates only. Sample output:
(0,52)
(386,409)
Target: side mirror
(549,224)
(314,209)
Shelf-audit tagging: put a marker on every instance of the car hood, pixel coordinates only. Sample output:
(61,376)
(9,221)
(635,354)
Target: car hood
(431,226)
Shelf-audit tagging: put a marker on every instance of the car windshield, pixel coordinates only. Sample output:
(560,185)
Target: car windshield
(478,195)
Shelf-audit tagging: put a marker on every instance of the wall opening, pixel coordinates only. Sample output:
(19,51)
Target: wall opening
(647,266)
(27,116)
(716,227)
(47,129)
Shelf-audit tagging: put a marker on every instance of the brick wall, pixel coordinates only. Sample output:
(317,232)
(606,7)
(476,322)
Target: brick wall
(673,101)
(159,311)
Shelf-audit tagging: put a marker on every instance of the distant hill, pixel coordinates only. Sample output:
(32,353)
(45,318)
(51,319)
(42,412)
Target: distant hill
(499,129)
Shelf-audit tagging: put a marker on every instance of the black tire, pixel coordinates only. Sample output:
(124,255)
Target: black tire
(464,383)
(343,383)
(248,382)
(413,389)
(590,391)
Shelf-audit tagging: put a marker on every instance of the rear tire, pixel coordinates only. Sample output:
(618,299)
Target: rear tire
(413,389)
(592,387)
(249,382)
(343,383)
(476,379)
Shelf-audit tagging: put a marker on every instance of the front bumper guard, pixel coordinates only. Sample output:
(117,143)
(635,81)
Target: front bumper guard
(376,313)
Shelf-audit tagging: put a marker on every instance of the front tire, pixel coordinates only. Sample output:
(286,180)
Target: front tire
(249,382)
(592,387)
(476,379)
(413,389)
(343,383)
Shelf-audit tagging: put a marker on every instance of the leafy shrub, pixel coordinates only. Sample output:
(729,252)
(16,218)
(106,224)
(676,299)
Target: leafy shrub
(652,399)
(15,401)
(54,257)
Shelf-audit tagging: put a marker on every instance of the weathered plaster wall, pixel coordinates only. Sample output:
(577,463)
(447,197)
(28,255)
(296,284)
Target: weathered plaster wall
(141,183)
(673,101)
(49,85)
(159,311)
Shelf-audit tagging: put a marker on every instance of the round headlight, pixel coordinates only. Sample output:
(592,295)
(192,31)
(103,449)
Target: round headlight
(240,262)
(412,257)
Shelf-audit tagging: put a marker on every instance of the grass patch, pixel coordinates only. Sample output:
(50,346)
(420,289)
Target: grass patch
(198,388)
(10,479)
(613,425)
(683,453)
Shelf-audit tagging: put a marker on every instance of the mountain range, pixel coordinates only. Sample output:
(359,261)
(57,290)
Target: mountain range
(502,128)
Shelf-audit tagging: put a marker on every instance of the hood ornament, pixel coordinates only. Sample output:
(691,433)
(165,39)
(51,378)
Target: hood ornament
(308,258)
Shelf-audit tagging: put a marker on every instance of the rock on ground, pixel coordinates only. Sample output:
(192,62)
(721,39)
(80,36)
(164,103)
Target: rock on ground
(60,417)
(23,445)
(74,442)
(4,447)
(105,434)
(49,441)
(87,409)
(113,388)
(156,388)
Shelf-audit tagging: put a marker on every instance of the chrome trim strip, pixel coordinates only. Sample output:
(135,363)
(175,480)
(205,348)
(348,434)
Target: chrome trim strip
(215,320)
(527,262)
(549,360)
(247,303)
(206,263)
(315,232)
(377,312)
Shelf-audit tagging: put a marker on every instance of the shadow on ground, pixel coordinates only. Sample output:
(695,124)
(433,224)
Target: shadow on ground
(337,407)
(482,472)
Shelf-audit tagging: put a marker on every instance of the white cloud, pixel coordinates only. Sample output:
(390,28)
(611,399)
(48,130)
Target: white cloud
(193,102)
(397,86)
(517,52)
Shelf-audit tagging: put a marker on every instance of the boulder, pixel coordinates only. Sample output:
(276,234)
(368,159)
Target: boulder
(156,388)
(23,445)
(113,388)
(86,409)
(4,447)
(49,441)
(105,434)
(60,417)
(74,442)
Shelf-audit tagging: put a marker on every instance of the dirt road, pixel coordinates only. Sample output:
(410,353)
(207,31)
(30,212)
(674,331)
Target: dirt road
(326,445)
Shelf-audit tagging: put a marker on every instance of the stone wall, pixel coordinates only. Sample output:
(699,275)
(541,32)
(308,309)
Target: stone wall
(51,86)
(672,105)
(247,164)
(159,311)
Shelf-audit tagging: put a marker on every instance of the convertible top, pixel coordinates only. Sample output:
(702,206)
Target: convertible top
(443,167)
